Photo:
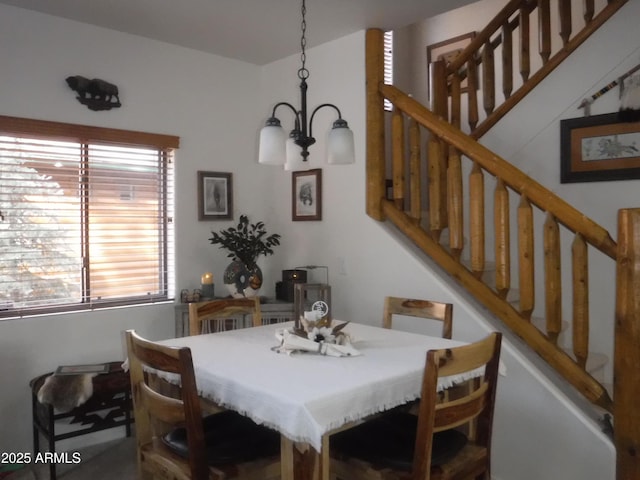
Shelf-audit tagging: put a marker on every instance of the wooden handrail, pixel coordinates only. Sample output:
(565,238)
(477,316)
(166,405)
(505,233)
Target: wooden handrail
(471,50)
(542,197)
(498,32)
(580,379)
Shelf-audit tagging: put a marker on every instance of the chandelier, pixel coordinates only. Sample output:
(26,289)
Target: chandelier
(276,149)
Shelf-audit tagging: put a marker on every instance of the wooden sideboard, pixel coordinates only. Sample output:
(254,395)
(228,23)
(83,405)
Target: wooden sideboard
(273,311)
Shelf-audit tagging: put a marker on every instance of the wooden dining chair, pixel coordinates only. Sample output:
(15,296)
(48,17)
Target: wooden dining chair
(431,445)
(440,311)
(223,313)
(174,441)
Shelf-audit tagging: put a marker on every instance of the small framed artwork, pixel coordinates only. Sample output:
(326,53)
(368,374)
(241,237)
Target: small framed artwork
(306,195)
(599,148)
(215,196)
(448,50)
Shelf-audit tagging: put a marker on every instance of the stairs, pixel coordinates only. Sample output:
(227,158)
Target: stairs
(454,171)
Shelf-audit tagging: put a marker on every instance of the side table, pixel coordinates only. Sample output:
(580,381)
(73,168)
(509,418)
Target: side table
(273,311)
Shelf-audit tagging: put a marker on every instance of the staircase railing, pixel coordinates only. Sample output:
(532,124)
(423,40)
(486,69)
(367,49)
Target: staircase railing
(448,189)
(477,64)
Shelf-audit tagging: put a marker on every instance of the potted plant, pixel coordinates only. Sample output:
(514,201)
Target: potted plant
(245,243)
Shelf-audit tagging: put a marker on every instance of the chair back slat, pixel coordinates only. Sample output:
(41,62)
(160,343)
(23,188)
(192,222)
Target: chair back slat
(149,353)
(412,307)
(223,309)
(166,409)
(452,414)
(454,361)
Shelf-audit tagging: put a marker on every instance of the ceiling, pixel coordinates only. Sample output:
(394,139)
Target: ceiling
(255,31)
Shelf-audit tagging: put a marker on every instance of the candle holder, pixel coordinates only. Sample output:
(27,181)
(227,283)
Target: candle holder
(207,290)
(206,285)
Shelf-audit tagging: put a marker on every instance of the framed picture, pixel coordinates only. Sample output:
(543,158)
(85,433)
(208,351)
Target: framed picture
(306,195)
(448,50)
(599,148)
(215,196)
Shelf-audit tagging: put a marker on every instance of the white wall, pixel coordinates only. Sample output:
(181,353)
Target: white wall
(539,433)
(208,101)
(213,105)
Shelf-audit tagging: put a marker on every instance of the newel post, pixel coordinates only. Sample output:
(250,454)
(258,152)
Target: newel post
(376,175)
(627,347)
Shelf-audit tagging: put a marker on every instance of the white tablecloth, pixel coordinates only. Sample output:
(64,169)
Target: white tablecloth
(306,395)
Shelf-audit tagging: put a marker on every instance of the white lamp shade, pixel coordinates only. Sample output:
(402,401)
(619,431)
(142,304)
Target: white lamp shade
(272,145)
(340,146)
(294,158)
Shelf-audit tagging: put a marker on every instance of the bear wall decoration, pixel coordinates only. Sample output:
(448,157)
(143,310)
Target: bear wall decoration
(96,94)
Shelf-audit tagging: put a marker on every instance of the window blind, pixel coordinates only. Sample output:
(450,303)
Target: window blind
(86,217)
(388,64)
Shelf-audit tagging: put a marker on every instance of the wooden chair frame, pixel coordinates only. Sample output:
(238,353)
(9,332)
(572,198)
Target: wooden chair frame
(436,414)
(428,309)
(155,413)
(223,309)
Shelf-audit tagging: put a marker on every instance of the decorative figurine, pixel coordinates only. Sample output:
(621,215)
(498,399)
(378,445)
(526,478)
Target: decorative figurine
(96,94)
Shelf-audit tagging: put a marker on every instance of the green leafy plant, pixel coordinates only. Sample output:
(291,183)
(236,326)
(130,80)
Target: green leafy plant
(246,242)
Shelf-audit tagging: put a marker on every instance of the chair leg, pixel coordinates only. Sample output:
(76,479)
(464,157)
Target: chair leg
(36,432)
(52,442)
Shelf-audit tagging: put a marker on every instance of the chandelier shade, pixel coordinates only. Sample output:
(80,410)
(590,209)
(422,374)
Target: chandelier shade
(293,158)
(272,144)
(293,151)
(340,145)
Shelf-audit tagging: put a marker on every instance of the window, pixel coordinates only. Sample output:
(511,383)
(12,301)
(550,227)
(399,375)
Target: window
(86,217)
(388,64)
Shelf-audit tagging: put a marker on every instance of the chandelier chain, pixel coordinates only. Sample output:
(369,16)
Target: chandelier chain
(303,73)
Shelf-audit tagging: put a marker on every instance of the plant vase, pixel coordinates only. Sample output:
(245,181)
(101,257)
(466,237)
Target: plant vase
(242,281)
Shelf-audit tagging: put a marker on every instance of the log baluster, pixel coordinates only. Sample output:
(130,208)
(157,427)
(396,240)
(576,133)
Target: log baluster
(544,30)
(564,12)
(580,267)
(588,10)
(502,241)
(476,220)
(454,203)
(488,78)
(525,55)
(553,281)
(436,181)
(525,257)
(398,157)
(507,59)
(456,96)
(415,194)
(472,92)
(438,92)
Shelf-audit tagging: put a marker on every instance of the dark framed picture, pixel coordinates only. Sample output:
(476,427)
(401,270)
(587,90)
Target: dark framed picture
(215,196)
(306,195)
(448,50)
(599,148)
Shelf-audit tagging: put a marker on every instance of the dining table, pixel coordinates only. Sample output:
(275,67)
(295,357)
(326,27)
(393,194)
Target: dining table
(307,396)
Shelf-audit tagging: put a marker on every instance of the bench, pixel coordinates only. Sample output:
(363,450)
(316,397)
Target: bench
(108,407)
